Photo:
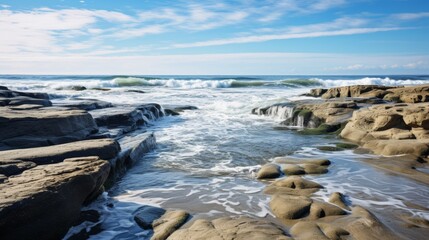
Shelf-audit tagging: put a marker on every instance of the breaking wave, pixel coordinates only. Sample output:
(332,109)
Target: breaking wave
(201,82)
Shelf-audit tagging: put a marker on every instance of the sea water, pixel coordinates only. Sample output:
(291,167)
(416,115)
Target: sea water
(206,159)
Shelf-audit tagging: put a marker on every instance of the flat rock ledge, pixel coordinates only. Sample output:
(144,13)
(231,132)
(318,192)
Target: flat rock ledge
(49,195)
(42,127)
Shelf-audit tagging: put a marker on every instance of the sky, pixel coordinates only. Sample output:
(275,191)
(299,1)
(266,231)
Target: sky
(228,37)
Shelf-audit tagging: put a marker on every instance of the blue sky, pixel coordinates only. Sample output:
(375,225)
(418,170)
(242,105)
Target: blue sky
(214,37)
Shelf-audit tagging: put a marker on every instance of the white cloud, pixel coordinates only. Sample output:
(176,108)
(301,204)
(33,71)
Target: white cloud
(194,16)
(41,30)
(420,64)
(270,37)
(411,16)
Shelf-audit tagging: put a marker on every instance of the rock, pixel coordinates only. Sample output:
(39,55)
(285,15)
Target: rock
(366,226)
(7,93)
(292,169)
(356,91)
(329,148)
(296,183)
(133,149)
(85,104)
(322,209)
(74,88)
(3,178)
(410,166)
(319,231)
(289,207)
(152,111)
(314,161)
(43,202)
(42,127)
(180,108)
(170,112)
(346,145)
(410,94)
(26,107)
(228,228)
(135,91)
(399,147)
(269,170)
(146,215)
(293,186)
(127,117)
(14,167)
(103,148)
(317,92)
(101,89)
(391,129)
(21,100)
(168,223)
(292,166)
(338,199)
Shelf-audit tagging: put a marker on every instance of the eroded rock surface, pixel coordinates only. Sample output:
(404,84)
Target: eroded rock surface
(391,129)
(42,127)
(103,148)
(44,201)
(228,228)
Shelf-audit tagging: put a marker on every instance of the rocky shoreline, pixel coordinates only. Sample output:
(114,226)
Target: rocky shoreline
(57,158)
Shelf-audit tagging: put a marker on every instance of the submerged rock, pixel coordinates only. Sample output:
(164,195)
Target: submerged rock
(44,201)
(229,228)
(146,215)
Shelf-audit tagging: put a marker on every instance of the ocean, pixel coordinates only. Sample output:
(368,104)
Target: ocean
(206,159)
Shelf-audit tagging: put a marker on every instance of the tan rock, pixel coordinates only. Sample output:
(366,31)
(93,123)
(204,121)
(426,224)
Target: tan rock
(292,169)
(228,228)
(338,199)
(322,209)
(312,230)
(168,223)
(293,185)
(269,170)
(287,207)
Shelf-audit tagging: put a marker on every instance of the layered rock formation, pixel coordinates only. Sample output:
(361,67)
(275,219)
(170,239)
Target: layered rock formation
(56,159)
(49,195)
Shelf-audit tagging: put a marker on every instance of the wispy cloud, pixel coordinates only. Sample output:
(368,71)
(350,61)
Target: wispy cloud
(270,37)
(419,64)
(411,16)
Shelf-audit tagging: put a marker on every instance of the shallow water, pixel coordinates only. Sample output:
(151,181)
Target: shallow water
(206,159)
